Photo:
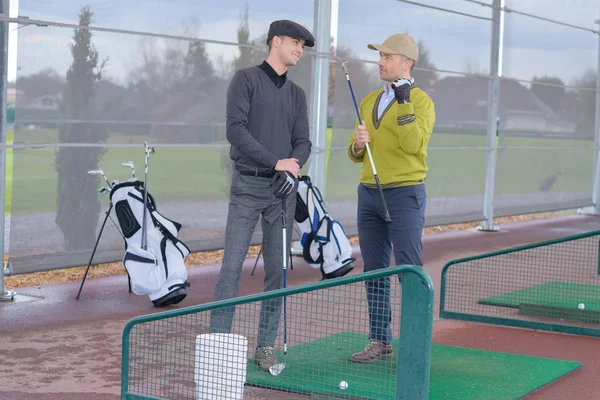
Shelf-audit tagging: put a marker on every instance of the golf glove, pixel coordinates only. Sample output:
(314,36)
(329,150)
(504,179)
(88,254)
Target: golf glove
(402,90)
(284,184)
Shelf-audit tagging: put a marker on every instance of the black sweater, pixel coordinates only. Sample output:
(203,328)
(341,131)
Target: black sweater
(266,123)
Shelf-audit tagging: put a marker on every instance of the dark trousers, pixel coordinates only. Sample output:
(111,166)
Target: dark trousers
(250,198)
(377,238)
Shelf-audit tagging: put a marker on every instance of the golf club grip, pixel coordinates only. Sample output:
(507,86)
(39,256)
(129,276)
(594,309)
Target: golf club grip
(382,198)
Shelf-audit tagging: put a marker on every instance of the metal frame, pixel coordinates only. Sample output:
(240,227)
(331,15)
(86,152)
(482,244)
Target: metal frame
(595,208)
(320,93)
(508,321)
(416,321)
(5,294)
(492,128)
(318,109)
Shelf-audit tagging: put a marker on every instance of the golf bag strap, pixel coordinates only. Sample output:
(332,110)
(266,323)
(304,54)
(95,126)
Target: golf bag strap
(312,237)
(156,222)
(306,250)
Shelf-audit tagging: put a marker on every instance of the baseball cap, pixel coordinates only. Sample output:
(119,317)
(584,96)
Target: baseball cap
(400,43)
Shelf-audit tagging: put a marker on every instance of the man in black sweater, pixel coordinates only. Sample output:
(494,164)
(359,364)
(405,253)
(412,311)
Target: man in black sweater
(267,126)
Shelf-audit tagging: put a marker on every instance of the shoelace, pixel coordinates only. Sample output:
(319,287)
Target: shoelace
(267,351)
(372,343)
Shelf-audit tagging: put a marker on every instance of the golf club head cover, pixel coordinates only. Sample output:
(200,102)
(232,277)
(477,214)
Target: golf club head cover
(402,90)
(284,184)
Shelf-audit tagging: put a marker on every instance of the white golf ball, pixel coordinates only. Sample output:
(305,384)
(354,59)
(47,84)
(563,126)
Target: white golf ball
(581,306)
(343,385)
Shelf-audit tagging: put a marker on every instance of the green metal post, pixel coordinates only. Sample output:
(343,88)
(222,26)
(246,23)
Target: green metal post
(414,349)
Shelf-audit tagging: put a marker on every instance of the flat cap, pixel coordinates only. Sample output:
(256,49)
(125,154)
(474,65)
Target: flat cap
(292,29)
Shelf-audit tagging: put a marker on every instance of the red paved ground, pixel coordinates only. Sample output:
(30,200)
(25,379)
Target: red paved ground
(55,347)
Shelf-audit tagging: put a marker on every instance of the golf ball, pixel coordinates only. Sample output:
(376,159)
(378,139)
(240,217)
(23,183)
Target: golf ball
(581,306)
(343,385)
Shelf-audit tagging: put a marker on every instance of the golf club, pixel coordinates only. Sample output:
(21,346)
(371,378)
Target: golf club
(100,172)
(278,368)
(129,164)
(104,190)
(147,150)
(382,198)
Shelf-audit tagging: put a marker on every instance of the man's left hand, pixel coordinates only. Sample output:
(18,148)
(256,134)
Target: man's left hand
(402,90)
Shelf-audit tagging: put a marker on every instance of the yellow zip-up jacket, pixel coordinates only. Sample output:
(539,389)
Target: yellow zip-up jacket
(398,140)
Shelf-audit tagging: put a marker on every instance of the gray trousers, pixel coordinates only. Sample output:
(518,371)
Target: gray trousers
(250,198)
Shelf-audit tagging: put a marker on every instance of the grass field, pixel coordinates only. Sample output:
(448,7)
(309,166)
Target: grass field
(197,174)
(458,172)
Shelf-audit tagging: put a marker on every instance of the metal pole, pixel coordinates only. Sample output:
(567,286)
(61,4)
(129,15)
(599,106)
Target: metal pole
(596,190)
(320,93)
(5,295)
(492,128)
(594,209)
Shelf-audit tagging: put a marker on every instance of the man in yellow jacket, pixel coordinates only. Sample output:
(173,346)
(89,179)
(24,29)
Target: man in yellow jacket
(398,122)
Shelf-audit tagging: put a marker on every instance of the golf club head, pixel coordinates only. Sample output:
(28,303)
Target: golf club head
(96,172)
(345,67)
(149,149)
(127,164)
(276,369)
(104,190)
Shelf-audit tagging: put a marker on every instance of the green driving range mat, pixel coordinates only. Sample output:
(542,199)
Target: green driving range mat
(317,367)
(558,300)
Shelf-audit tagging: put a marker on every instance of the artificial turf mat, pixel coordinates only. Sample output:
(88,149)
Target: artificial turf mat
(317,367)
(557,300)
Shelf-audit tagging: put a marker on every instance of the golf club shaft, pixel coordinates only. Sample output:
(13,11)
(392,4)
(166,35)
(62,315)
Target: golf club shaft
(379,188)
(284,223)
(144,236)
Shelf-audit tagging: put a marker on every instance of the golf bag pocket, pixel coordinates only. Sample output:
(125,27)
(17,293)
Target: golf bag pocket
(337,250)
(143,270)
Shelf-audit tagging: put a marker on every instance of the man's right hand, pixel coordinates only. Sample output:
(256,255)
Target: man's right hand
(362,137)
(288,164)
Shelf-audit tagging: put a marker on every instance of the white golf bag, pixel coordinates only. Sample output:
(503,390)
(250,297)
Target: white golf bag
(157,271)
(324,243)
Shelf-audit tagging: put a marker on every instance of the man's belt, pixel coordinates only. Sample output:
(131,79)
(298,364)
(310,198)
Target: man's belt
(254,171)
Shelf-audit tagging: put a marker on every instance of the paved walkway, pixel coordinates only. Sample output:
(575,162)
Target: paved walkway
(55,347)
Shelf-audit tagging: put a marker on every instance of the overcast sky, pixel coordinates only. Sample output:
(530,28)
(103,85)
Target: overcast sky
(455,42)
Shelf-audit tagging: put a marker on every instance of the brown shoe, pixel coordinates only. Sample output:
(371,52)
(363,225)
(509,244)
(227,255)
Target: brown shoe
(374,351)
(264,357)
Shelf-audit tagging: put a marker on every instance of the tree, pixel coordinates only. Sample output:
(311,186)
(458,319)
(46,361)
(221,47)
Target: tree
(580,103)
(78,205)
(198,70)
(44,82)
(551,90)
(365,79)
(245,58)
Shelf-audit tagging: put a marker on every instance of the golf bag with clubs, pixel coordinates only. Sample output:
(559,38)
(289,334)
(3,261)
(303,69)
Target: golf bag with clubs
(159,270)
(324,243)
(154,255)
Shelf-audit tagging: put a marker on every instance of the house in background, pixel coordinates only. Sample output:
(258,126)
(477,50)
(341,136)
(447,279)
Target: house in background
(462,103)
